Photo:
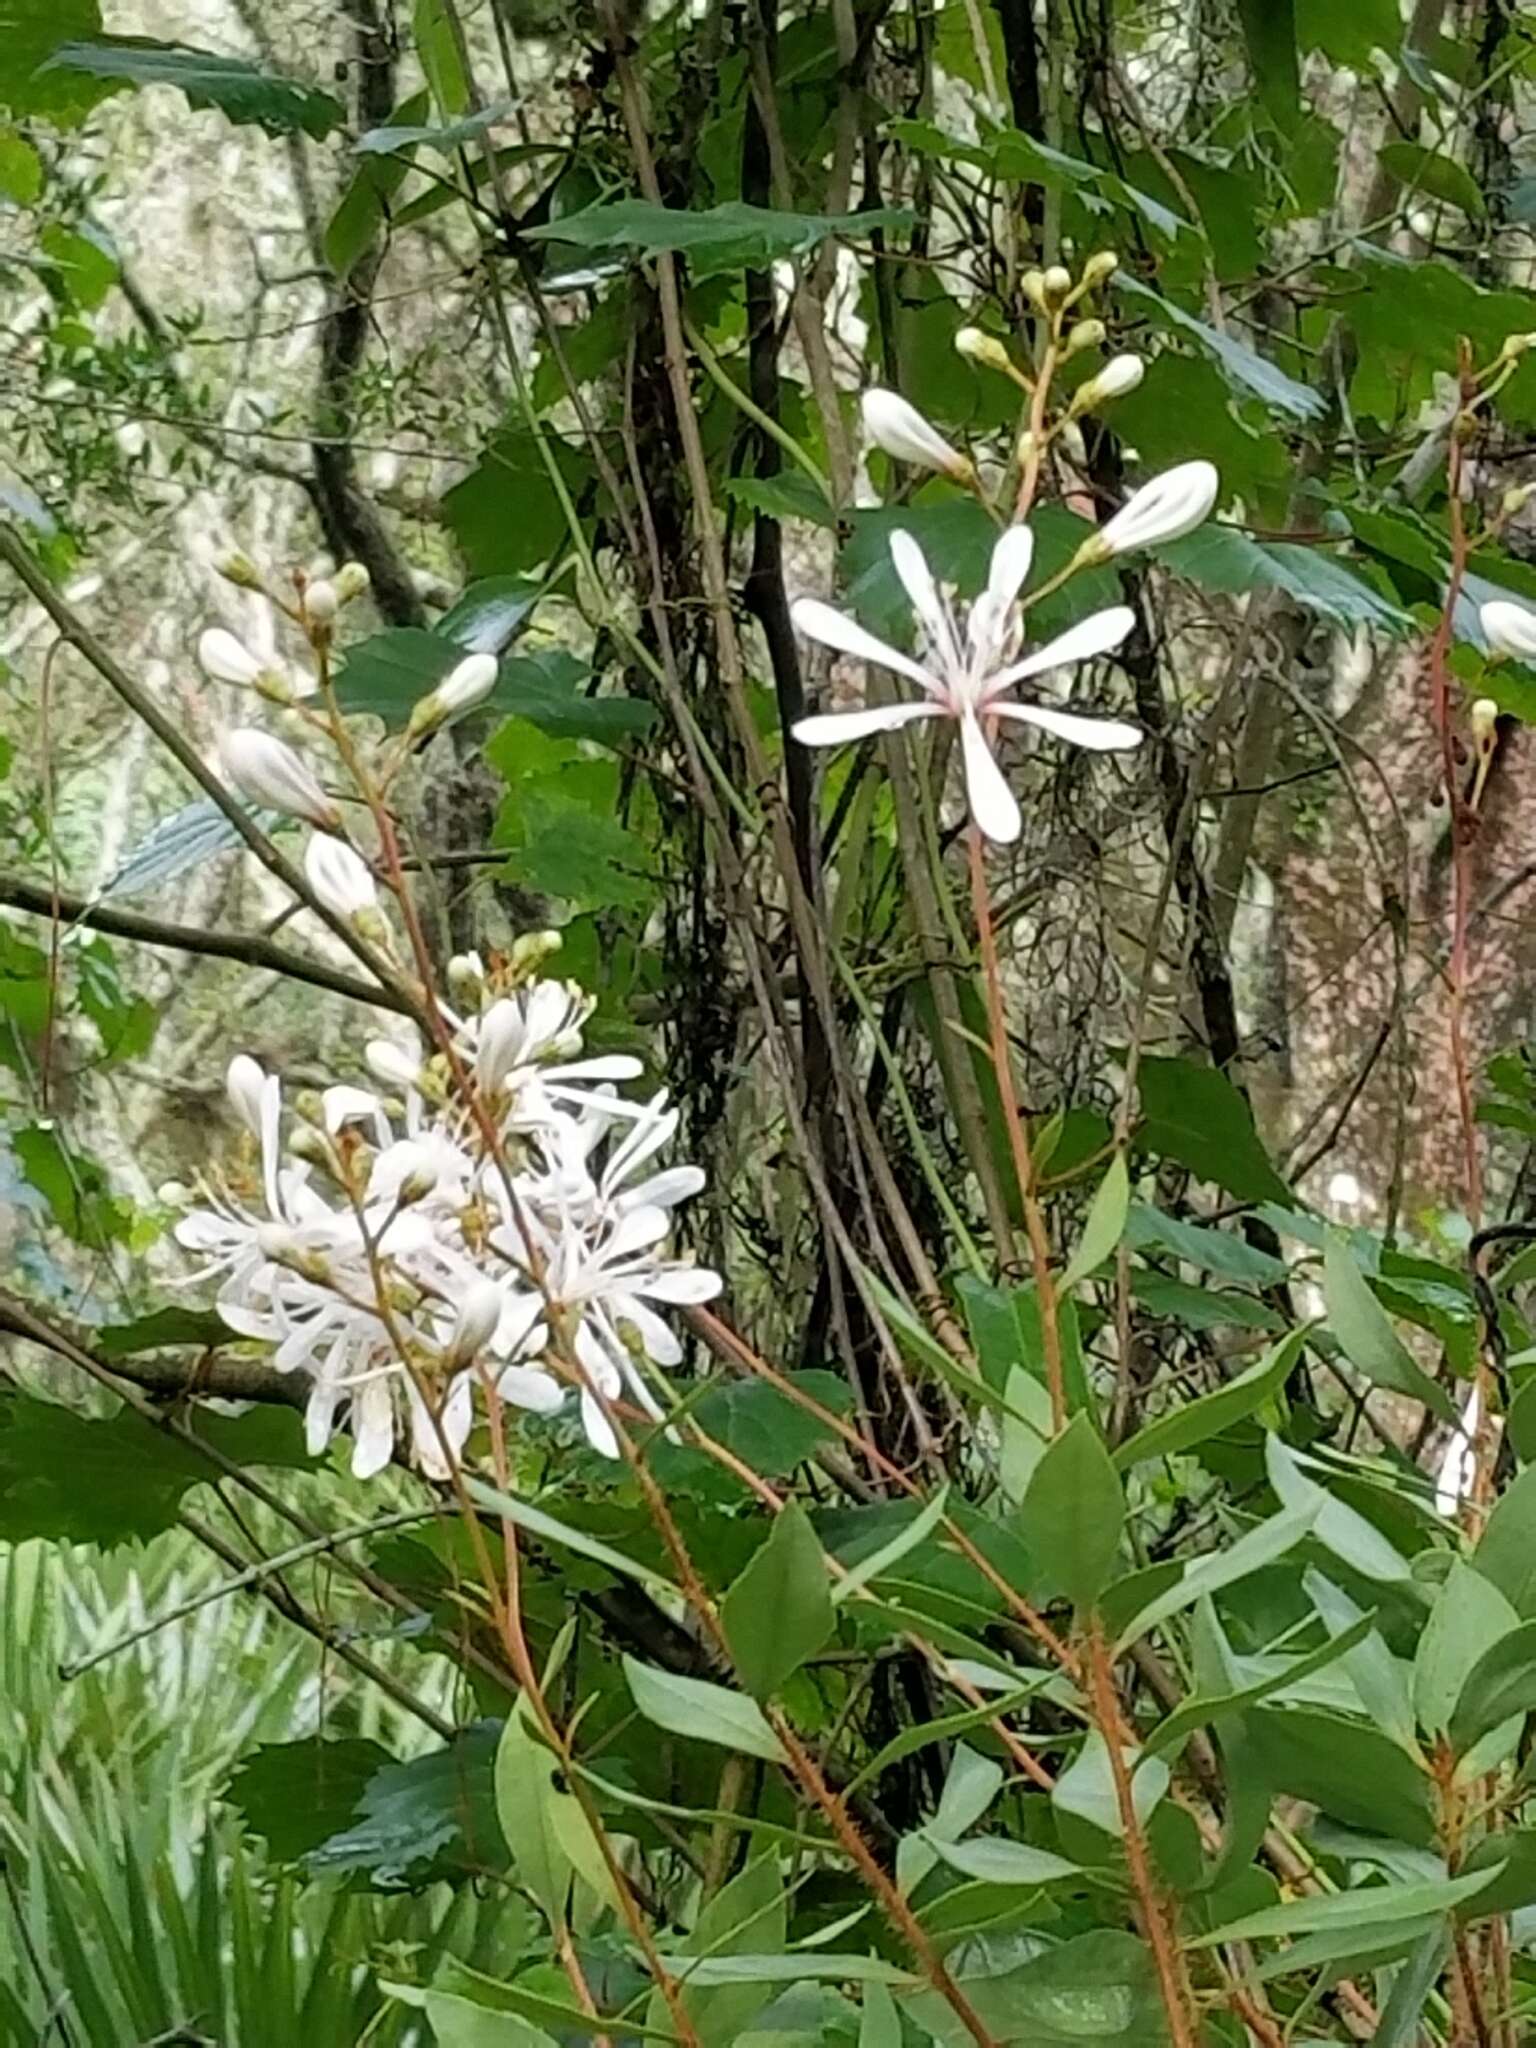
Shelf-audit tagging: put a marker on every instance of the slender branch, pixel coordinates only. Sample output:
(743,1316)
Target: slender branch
(251,948)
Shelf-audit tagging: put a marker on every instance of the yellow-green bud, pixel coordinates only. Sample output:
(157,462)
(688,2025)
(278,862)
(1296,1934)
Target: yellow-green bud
(1485,719)
(1032,284)
(240,570)
(533,948)
(978,347)
(1100,266)
(350,580)
(1086,334)
(1056,283)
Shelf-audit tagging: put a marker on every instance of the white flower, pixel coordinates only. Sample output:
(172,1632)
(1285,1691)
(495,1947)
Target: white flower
(268,771)
(1510,628)
(340,878)
(533,1036)
(900,429)
(1165,509)
(965,675)
(389,1063)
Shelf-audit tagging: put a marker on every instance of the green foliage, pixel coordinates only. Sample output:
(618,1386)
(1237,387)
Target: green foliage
(230,85)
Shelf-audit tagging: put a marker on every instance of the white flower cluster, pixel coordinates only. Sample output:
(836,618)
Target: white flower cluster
(493,1220)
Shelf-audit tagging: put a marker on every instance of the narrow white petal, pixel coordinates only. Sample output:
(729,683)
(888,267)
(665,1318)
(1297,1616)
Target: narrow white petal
(917,580)
(992,801)
(821,622)
(526,1387)
(835,728)
(1100,634)
(1099,735)
(681,1285)
(1011,558)
(598,1428)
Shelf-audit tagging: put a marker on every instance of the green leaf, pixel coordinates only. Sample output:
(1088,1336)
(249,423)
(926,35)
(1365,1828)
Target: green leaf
(1073,1513)
(1468,1618)
(1355,1772)
(779,1610)
(1195,1422)
(908,1538)
(1245,370)
(30,33)
(117,1481)
(431,1816)
(761,1426)
(1269,29)
(791,495)
(1431,171)
(298,1794)
(746,1916)
(1105,1224)
(362,212)
(386,674)
(550,1529)
(230,85)
(442,63)
(1086,1789)
(542,1823)
(160,1328)
(715,239)
(1500,1685)
(82,267)
(513,471)
(702,1711)
(1372,1669)
(1261,1546)
(807,1965)
(1373,1905)
(489,615)
(74,1186)
(1098,1987)
(1401,2016)
(1194,1115)
(1215,1251)
(1010,154)
(880,2025)
(1338,1527)
(1366,1334)
(1170,1735)
(1506,1551)
(21,170)
(1222,560)
(993,1859)
(1349,35)
(406,131)
(460,2023)
(1026,1431)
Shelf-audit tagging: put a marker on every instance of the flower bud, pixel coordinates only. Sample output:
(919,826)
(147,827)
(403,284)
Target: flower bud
(1118,377)
(1032,284)
(1086,334)
(479,1314)
(175,1194)
(320,601)
(245,1083)
(224,659)
(900,430)
(533,948)
(1510,628)
(1100,266)
(1024,447)
(389,1063)
(340,878)
(978,347)
(1165,509)
(1484,717)
(344,1104)
(241,570)
(1515,346)
(460,690)
(268,771)
(466,976)
(1515,499)
(350,581)
(1056,283)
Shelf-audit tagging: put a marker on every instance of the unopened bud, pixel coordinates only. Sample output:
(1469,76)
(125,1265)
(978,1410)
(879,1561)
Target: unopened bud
(1086,334)
(1099,266)
(475,1325)
(389,1063)
(1515,346)
(1165,509)
(1032,284)
(1484,717)
(1024,447)
(901,431)
(340,878)
(174,1193)
(1118,377)
(224,659)
(533,948)
(320,601)
(311,1145)
(268,771)
(1510,628)
(350,581)
(1056,283)
(1516,498)
(466,975)
(460,690)
(978,347)
(241,570)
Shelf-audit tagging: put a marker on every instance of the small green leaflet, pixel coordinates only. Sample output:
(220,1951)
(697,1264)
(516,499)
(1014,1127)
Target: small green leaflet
(704,1712)
(1373,1905)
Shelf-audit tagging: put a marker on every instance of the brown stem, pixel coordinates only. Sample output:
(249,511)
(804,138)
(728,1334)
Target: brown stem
(1156,1919)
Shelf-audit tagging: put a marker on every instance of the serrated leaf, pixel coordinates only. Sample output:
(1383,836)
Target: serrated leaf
(702,1711)
(295,1795)
(1366,1335)
(230,85)
(715,239)
(1195,1422)
(434,1813)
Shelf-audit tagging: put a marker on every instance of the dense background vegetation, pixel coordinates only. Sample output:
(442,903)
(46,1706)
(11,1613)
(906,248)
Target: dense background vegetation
(1087,1588)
